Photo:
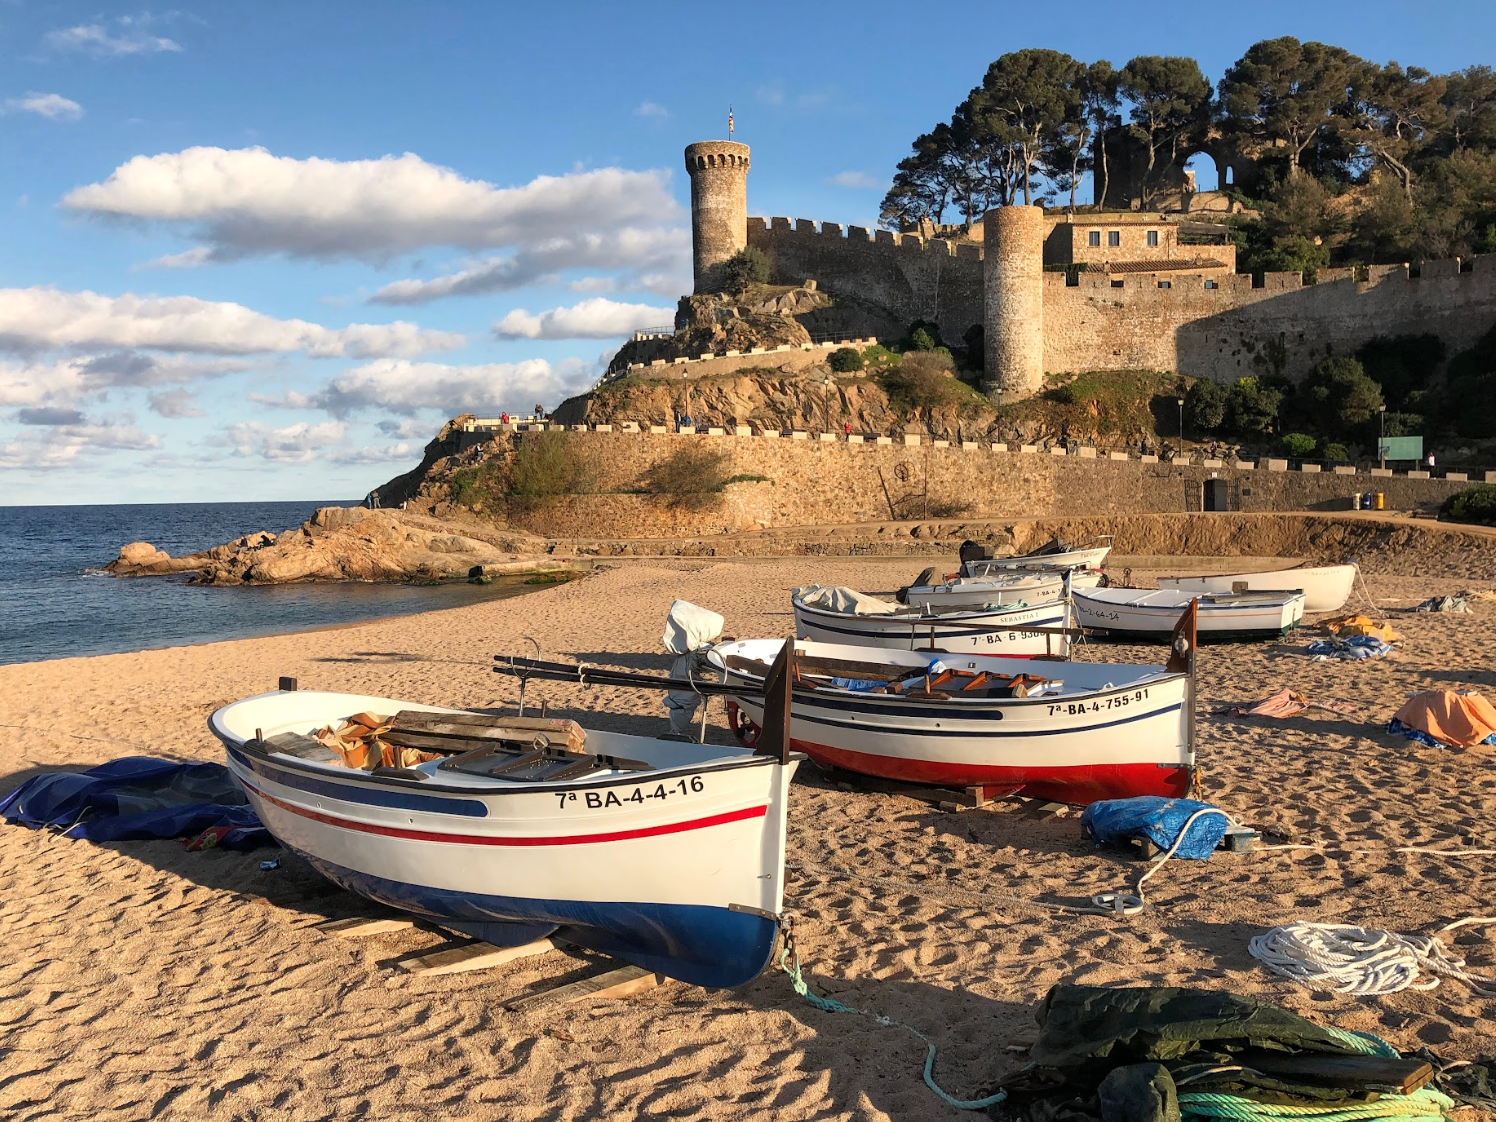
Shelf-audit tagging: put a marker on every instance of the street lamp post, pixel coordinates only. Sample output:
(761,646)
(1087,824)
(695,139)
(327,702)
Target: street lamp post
(1382,436)
(1181,426)
(828,386)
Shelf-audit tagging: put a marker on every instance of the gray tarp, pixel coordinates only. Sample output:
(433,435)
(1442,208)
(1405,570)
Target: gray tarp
(846,600)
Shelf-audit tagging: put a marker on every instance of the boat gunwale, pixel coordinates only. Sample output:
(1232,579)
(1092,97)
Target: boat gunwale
(1302,565)
(961,616)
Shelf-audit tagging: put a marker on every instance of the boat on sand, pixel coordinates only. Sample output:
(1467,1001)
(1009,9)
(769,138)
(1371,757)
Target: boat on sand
(1326,588)
(667,855)
(1152,613)
(841,615)
(1052,558)
(1072,731)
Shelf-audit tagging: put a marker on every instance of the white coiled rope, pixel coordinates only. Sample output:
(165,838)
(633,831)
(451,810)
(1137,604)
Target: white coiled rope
(1343,958)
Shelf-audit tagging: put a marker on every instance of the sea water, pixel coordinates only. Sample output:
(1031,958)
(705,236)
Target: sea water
(51,606)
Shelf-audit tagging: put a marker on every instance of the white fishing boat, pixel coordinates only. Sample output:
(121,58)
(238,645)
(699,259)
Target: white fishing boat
(1008,589)
(666,855)
(1091,731)
(1326,588)
(1151,613)
(841,615)
(1040,561)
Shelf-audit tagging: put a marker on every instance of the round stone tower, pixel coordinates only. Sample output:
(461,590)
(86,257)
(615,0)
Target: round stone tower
(1013,301)
(719,204)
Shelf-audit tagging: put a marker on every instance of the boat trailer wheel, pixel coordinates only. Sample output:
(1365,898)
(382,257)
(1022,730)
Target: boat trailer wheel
(742,725)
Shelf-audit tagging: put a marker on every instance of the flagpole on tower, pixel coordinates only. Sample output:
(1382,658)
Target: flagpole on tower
(729,121)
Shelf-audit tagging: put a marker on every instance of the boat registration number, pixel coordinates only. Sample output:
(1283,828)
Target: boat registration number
(1116,701)
(602,800)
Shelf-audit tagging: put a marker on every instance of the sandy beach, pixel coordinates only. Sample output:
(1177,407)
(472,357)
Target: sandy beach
(143,981)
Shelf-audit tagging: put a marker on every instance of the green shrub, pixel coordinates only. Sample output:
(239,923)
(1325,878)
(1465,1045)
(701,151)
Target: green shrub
(879,355)
(975,339)
(1335,454)
(1473,504)
(1342,400)
(1298,445)
(845,360)
(690,478)
(746,266)
(1205,405)
(924,336)
(1063,395)
(1402,364)
(1252,407)
(546,465)
(1471,400)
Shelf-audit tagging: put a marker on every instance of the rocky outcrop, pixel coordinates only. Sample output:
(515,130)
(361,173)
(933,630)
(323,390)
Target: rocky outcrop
(349,544)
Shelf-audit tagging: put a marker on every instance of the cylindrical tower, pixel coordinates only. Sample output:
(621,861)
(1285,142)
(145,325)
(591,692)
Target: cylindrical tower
(1013,302)
(719,204)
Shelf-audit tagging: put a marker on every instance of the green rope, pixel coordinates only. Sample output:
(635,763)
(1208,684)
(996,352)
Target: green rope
(789,962)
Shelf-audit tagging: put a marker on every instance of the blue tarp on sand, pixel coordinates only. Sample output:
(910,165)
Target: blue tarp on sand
(1158,819)
(138,797)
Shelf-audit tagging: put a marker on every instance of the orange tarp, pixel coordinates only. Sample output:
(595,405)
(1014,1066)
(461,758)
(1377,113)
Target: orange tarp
(1346,626)
(1459,719)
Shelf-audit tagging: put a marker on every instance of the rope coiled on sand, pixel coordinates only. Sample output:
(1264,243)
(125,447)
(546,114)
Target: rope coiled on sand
(1343,958)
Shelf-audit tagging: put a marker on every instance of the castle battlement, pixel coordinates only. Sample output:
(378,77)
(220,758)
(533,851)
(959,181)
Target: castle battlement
(858,237)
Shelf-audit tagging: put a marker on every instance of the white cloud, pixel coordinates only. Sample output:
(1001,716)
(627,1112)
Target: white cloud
(653,110)
(247,201)
(193,258)
(653,260)
(53,106)
(598,318)
(62,445)
(409,429)
(97,40)
(71,380)
(290,399)
(374,454)
(175,404)
(40,318)
(857,181)
(408,388)
(294,444)
(48,415)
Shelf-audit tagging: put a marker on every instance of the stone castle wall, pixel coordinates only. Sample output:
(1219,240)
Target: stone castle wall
(826,482)
(909,276)
(1205,326)
(1234,329)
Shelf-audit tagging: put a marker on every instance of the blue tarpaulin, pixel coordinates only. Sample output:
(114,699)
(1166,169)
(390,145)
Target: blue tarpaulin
(1350,647)
(138,797)
(1158,819)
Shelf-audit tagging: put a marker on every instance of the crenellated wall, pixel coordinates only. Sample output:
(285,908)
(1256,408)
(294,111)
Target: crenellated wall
(908,276)
(1225,328)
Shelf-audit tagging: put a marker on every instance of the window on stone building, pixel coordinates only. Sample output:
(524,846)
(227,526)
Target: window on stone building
(1165,284)
(1211,284)
(1114,237)
(1152,237)
(1093,238)
(1118,284)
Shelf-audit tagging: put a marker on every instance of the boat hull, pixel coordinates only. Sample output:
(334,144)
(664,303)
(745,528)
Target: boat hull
(678,870)
(1039,562)
(1131,739)
(1326,588)
(1246,620)
(974,631)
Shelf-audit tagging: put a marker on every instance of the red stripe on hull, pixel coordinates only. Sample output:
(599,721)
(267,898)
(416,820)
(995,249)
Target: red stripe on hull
(478,839)
(1082,784)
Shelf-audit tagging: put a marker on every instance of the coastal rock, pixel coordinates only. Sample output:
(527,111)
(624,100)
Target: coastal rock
(348,543)
(144,559)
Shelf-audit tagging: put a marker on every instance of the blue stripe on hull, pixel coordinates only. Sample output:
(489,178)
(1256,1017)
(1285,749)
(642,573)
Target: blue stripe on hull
(358,788)
(699,945)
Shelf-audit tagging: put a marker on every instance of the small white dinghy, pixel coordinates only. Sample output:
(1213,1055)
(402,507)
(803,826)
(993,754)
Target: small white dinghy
(1002,590)
(667,855)
(841,615)
(1326,588)
(1152,613)
(1057,561)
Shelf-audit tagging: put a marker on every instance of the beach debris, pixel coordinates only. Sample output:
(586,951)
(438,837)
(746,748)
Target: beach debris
(267,866)
(1446,719)
(1348,649)
(1343,958)
(359,741)
(1351,626)
(1288,703)
(1455,603)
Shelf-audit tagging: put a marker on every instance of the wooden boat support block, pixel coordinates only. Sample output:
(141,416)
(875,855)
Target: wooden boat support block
(471,956)
(623,982)
(359,927)
(1238,839)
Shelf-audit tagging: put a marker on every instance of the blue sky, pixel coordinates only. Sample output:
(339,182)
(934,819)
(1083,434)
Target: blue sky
(261,251)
